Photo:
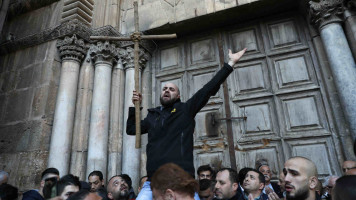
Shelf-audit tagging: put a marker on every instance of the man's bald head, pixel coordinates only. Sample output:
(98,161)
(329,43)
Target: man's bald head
(300,178)
(307,165)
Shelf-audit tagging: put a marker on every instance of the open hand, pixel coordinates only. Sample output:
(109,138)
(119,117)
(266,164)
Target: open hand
(234,57)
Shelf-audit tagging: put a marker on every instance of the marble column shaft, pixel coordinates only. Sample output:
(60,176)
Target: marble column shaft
(350,28)
(82,117)
(72,52)
(131,155)
(104,56)
(116,120)
(343,68)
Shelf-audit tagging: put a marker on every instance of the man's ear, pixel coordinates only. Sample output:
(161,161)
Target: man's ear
(42,183)
(169,195)
(235,186)
(262,185)
(313,181)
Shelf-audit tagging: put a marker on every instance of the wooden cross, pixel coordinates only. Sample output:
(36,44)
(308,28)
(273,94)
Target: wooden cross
(136,37)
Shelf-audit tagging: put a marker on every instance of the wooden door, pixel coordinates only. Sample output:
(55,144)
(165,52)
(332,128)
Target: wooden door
(277,86)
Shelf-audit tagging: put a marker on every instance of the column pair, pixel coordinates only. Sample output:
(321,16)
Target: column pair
(327,17)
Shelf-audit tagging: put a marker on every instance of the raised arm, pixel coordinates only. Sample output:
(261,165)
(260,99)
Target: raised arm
(234,57)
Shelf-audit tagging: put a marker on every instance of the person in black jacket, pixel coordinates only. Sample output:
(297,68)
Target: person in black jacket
(170,127)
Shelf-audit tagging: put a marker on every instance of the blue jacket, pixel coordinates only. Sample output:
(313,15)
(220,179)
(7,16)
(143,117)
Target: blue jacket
(170,130)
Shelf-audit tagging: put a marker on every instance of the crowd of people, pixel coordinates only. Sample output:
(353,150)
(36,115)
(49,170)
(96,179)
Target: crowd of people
(297,181)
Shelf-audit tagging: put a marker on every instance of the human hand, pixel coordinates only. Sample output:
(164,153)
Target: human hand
(250,197)
(268,190)
(136,97)
(234,57)
(273,196)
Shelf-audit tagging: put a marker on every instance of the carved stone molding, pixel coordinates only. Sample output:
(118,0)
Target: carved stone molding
(326,12)
(72,48)
(66,29)
(104,52)
(18,7)
(128,60)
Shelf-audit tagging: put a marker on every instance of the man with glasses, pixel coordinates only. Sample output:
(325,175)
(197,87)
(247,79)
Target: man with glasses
(348,165)
(329,185)
(48,178)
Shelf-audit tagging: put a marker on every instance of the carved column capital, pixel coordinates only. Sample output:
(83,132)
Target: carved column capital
(104,52)
(326,12)
(350,8)
(128,60)
(71,48)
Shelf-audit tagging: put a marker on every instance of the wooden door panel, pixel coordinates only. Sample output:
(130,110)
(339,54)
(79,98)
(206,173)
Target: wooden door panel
(302,115)
(250,79)
(203,123)
(247,37)
(170,57)
(202,51)
(318,150)
(283,36)
(251,153)
(293,72)
(261,120)
(214,157)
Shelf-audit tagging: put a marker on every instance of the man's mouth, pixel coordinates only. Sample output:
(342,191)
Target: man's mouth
(289,188)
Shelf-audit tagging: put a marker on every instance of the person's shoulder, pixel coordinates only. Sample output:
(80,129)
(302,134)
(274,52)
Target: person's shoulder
(32,195)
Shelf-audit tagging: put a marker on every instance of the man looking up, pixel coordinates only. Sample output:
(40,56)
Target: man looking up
(300,179)
(96,180)
(254,183)
(205,172)
(226,184)
(170,127)
(117,188)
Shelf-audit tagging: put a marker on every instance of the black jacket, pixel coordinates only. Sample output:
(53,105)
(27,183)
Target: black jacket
(170,129)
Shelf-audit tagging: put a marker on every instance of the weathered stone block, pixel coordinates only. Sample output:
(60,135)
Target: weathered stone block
(7,81)
(24,168)
(24,79)
(9,136)
(39,101)
(18,106)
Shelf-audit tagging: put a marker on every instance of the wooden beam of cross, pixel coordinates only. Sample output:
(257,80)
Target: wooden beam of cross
(136,37)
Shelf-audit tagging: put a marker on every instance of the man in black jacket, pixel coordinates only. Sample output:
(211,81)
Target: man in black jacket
(170,127)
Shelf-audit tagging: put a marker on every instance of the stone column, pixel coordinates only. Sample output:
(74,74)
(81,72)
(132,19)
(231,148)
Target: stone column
(116,117)
(104,56)
(81,122)
(72,51)
(131,155)
(350,24)
(326,15)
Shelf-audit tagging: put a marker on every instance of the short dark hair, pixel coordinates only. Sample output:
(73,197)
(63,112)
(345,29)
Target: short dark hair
(232,174)
(79,195)
(205,168)
(68,179)
(242,174)
(96,173)
(127,180)
(205,184)
(261,177)
(8,192)
(345,188)
(49,171)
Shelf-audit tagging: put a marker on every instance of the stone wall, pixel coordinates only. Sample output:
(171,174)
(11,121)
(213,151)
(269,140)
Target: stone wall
(28,86)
